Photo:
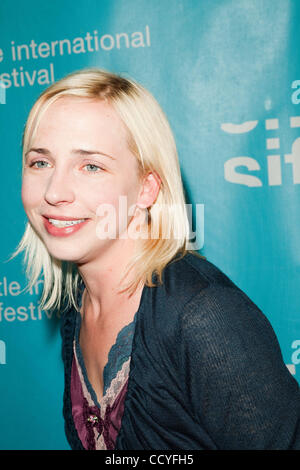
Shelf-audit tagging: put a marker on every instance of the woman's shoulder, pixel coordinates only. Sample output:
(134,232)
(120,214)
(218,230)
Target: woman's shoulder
(203,312)
(196,295)
(187,276)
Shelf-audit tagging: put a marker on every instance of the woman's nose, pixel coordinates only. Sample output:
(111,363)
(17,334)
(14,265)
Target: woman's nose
(59,189)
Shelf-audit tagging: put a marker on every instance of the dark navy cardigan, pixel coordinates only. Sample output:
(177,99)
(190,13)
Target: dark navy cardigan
(206,369)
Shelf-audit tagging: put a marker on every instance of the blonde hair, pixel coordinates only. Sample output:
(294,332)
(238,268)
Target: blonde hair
(152,142)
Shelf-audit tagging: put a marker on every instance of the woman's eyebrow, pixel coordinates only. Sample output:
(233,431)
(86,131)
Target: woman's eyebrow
(91,152)
(81,152)
(38,150)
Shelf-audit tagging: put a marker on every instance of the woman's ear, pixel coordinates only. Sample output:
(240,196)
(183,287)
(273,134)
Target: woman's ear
(150,188)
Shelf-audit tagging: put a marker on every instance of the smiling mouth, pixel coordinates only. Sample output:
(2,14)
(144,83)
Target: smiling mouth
(63,226)
(65,223)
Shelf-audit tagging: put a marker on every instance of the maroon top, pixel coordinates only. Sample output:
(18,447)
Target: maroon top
(98,422)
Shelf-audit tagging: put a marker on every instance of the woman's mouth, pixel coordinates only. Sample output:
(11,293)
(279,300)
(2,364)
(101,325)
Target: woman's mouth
(63,228)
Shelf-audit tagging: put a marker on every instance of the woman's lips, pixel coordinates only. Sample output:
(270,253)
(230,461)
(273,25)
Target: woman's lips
(62,231)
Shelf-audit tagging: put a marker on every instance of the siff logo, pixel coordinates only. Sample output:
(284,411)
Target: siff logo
(295,357)
(274,159)
(2,352)
(295,95)
(296,353)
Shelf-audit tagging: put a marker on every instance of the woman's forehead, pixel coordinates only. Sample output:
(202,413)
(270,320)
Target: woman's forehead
(82,117)
(81,123)
(82,109)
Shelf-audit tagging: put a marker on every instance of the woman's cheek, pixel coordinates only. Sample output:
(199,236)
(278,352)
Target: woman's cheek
(31,193)
(25,193)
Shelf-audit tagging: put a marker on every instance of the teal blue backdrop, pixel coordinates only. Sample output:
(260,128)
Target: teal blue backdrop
(227,74)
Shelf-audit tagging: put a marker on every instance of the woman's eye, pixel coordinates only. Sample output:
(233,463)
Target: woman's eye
(92,168)
(39,164)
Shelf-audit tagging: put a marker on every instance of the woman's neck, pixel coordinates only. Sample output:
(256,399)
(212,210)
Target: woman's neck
(102,277)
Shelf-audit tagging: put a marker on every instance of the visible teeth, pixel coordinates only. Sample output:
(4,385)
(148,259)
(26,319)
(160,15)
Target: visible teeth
(65,223)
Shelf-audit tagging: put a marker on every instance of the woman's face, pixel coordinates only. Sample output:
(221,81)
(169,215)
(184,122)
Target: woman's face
(78,165)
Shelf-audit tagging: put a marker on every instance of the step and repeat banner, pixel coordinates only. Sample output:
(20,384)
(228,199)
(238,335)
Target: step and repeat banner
(227,74)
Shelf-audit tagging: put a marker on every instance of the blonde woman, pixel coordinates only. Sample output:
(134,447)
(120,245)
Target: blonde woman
(161,350)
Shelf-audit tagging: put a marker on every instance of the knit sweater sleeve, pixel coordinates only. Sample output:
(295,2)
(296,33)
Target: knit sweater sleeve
(236,383)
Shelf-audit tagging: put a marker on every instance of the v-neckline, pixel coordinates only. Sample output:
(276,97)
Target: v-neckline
(98,401)
(79,353)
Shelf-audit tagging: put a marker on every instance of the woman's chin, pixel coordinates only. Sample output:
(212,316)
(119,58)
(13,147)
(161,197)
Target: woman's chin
(72,256)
